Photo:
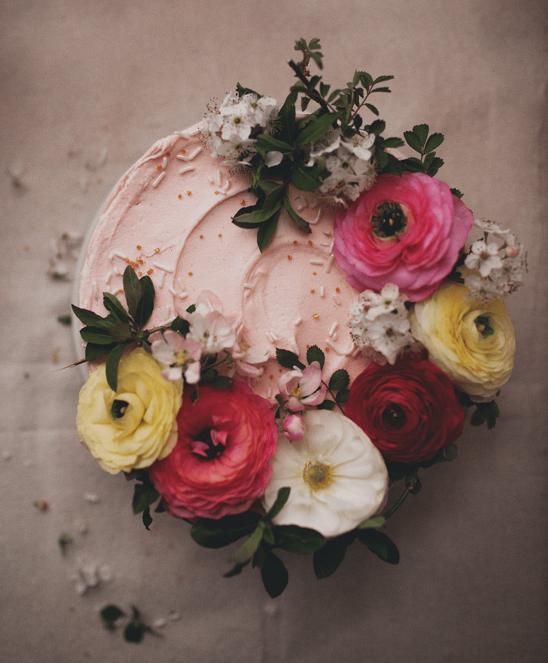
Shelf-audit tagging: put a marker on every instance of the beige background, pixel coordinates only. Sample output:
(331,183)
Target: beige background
(87,82)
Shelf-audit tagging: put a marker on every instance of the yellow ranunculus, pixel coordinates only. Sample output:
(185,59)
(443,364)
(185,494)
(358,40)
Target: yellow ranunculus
(472,341)
(135,426)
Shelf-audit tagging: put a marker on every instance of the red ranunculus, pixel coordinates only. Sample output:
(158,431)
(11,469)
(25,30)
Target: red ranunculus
(409,410)
(221,463)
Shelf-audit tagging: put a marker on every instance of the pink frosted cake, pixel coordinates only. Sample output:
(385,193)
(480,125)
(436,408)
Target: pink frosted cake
(170,217)
(286,318)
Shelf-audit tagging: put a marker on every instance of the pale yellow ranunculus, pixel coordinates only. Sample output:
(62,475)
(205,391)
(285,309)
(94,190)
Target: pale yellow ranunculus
(135,426)
(472,341)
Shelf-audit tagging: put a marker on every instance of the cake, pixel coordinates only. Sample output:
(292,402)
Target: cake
(169,216)
(283,318)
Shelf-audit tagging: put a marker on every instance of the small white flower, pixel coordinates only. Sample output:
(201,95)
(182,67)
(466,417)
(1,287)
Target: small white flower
(337,477)
(209,327)
(179,356)
(379,324)
(483,257)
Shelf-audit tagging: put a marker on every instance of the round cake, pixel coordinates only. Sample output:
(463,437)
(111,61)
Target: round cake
(169,216)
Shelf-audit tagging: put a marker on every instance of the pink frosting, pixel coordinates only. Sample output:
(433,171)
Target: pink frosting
(170,216)
(418,258)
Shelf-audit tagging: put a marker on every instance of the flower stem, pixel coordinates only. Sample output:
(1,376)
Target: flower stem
(401,499)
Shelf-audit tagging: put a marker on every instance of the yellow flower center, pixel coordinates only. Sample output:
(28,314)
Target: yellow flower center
(180,358)
(296,391)
(317,475)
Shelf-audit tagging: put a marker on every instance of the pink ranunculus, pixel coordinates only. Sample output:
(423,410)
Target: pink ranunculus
(405,230)
(221,462)
(303,388)
(293,427)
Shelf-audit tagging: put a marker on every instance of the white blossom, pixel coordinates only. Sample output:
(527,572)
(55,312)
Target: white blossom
(379,324)
(227,128)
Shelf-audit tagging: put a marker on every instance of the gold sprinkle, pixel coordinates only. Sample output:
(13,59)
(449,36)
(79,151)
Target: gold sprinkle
(243,201)
(314,273)
(337,290)
(315,316)
(327,348)
(312,291)
(157,250)
(310,242)
(191,273)
(295,242)
(189,193)
(180,196)
(150,271)
(201,236)
(220,235)
(138,247)
(290,257)
(159,168)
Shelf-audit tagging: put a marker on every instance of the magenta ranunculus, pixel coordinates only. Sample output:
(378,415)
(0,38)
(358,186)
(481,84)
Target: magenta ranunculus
(406,230)
(221,463)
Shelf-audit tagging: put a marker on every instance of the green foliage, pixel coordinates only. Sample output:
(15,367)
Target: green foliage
(288,359)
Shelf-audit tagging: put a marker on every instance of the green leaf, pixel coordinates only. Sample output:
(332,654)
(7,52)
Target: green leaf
(147,518)
(327,405)
(413,142)
(300,540)
(181,326)
(112,304)
(342,396)
(421,132)
(486,413)
(246,551)
(143,496)
(393,142)
(241,90)
(96,352)
(433,142)
(221,382)
(224,531)
(330,556)
(373,523)
(89,318)
(380,544)
(111,367)
(377,127)
(134,632)
(96,336)
(256,217)
(266,232)
(366,79)
(274,575)
(279,503)
(339,380)
(434,165)
(267,143)
(372,108)
(146,303)
(383,79)
(305,178)
(132,289)
(288,359)
(316,128)
(314,353)
(301,223)
(64,320)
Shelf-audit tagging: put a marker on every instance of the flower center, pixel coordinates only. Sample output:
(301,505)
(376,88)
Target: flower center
(388,220)
(208,444)
(393,416)
(118,408)
(180,358)
(317,475)
(483,325)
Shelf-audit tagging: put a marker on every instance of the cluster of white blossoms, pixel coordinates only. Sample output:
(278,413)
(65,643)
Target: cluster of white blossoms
(379,324)
(228,128)
(349,162)
(495,264)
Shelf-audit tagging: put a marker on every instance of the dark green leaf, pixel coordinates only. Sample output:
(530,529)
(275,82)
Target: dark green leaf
(248,548)
(267,143)
(421,132)
(266,232)
(235,570)
(96,336)
(146,303)
(89,318)
(111,613)
(191,308)
(132,290)
(143,496)
(366,79)
(221,382)
(330,556)
(305,178)
(392,142)
(380,545)
(64,320)
(256,217)
(112,304)
(298,539)
(434,165)
(181,326)
(288,359)
(316,128)
(372,108)
(342,396)
(134,632)
(327,405)
(222,532)
(241,90)
(381,89)
(274,575)
(301,224)
(96,352)
(433,142)
(279,503)
(147,518)
(111,367)
(314,353)
(339,380)
(413,142)
(373,523)
(457,193)
(377,127)
(383,79)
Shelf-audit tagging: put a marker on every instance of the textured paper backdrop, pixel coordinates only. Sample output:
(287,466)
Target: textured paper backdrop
(85,87)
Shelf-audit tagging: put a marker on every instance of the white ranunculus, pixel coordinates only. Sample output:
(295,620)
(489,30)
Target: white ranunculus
(337,477)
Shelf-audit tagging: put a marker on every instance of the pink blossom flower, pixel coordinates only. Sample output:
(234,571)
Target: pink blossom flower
(303,388)
(293,427)
(208,325)
(405,230)
(179,355)
(249,360)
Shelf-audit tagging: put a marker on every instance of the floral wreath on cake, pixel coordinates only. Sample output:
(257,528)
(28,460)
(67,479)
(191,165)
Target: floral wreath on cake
(173,407)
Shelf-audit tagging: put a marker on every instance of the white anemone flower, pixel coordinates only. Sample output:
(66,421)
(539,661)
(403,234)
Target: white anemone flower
(337,477)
